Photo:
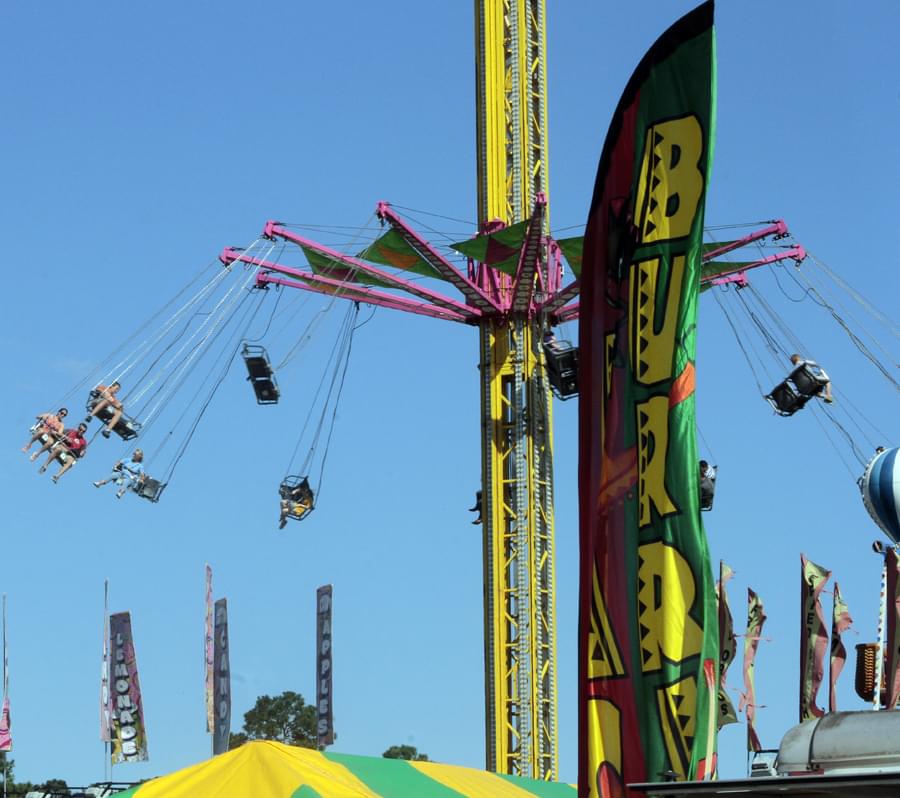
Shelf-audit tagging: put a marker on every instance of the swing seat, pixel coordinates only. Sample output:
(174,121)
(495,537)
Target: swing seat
(810,379)
(708,491)
(126,427)
(44,436)
(150,489)
(260,374)
(296,491)
(785,399)
(562,368)
(62,454)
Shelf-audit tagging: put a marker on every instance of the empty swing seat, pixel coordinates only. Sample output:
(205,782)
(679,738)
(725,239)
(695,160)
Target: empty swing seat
(298,495)
(562,368)
(126,427)
(260,374)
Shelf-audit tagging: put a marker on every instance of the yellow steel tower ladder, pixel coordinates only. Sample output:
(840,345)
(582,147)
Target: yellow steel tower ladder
(517,472)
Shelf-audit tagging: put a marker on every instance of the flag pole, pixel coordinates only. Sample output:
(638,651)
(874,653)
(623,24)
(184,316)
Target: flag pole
(209,663)
(879,655)
(104,716)
(5,689)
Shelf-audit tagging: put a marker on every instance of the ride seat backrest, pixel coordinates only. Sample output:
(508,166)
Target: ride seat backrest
(809,379)
(708,495)
(258,368)
(562,367)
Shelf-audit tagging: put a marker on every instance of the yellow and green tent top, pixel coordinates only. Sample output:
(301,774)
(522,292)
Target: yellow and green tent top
(264,769)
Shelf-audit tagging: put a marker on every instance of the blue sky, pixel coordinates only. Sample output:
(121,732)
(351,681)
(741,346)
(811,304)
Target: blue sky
(140,140)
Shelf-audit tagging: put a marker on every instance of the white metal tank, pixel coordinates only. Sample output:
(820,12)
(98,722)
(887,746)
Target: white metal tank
(842,743)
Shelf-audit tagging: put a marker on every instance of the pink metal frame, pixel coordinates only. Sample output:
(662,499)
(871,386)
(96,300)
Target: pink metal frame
(327,285)
(487,292)
(737,275)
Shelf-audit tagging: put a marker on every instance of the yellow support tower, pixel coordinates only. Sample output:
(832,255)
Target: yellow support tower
(512,308)
(517,473)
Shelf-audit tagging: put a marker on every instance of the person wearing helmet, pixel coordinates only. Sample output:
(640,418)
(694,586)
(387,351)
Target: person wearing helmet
(126,474)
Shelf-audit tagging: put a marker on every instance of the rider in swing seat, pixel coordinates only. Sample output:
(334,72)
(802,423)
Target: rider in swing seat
(71,447)
(296,502)
(127,474)
(106,397)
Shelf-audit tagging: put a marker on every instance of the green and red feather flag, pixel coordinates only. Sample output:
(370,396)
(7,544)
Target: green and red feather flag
(648,625)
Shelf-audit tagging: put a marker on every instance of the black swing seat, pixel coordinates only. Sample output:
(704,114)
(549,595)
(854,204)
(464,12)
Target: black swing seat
(810,379)
(708,490)
(562,368)
(260,374)
(62,453)
(296,491)
(805,382)
(126,427)
(150,489)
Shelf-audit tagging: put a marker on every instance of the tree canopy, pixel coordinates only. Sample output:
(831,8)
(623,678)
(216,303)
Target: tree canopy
(286,718)
(14,788)
(409,752)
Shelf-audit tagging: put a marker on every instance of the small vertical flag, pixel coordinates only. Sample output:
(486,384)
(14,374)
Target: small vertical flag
(129,736)
(324,705)
(105,695)
(222,696)
(5,731)
(840,622)
(727,647)
(892,628)
(756,618)
(813,636)
(209,656)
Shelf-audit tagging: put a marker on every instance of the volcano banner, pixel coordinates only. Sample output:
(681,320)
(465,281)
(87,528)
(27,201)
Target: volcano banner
(727,646)
(756,618)
(648,620)
(813,636)
(840,623)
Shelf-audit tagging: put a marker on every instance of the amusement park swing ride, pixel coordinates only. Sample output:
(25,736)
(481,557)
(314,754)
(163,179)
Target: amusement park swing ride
(516,284)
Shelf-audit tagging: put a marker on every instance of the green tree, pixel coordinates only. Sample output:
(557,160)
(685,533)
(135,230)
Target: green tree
(286,718)
(409,752)
(53,785)
(14,788)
